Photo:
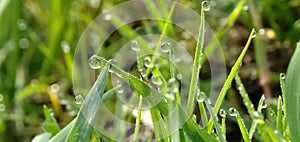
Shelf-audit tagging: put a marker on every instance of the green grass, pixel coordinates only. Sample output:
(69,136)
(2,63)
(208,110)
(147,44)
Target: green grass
(37,102)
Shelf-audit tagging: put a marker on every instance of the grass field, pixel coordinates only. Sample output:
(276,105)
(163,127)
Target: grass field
(149,70)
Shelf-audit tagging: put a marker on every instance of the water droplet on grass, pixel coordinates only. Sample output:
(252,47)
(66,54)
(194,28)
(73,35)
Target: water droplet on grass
(112,62)
(22,25)
(54,88)
(95,62)
(200,97)
(262,31)
(282,76)
(65,47)
(78,99)
(174,85)
(222,113)
(255,114)
(148,62)
(2,107)
(107,17)
(24,43)
(170,96)
(254,34)
(232,111)
(179,76)
(156,80)
(165,47)
(206,5)
(135,45)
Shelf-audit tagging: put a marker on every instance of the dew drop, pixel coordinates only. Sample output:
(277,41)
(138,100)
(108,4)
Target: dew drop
(24,43)
(107,17)
(170,96)
(206,5)
(174,85)
(246,7)
(120,91)
(112,62)
(148,62)
(135,45)
(232,111)
(135,112)
(222,113)
(262,31)
(95,62)
(65,47)
(2,107)
(282,76)
(254,34)
(51,111)
(54,88)
(255,114)
(143,73)
(165,47)
(240,88)
(156,80)
(179,76)
(22,25)
(78,99)
(200,96)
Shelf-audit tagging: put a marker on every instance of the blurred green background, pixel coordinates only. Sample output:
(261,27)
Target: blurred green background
(38,39)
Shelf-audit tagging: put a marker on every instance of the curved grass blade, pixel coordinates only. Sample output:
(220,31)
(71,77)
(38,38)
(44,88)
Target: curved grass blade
(293,95)
(82,129)
(229,79)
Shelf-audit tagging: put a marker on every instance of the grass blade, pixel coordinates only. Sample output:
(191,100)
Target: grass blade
(197,66)
(50,124)
(82,129)
(138,120)
(293,95)
(279,122)
(229,79)
(232,74)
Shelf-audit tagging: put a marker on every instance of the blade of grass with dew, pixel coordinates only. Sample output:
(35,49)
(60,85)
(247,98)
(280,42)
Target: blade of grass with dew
(261,104)
(197,66)
(217,125)
(246,100)
(293,95)
(240,121)
(192,129)
(285,125)
(279,121)
(91,108)
(242,127)
(230,77)
(232,73)
(50,124)
(138,120)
